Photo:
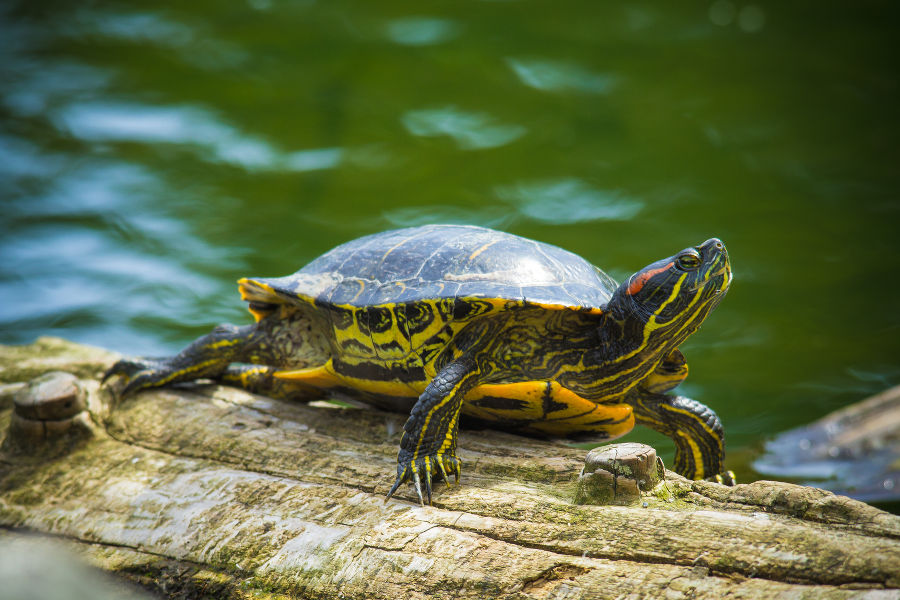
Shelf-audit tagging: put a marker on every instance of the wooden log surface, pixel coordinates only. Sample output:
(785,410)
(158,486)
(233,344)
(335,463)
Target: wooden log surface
(206,491)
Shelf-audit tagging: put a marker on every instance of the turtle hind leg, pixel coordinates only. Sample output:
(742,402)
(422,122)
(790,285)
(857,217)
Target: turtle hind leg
(263,380)
(694,427)
(208,356)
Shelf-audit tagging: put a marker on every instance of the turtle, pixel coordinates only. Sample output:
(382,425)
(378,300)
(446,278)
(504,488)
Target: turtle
(442,320)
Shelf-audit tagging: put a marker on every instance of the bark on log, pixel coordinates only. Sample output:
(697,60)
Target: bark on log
(209,491)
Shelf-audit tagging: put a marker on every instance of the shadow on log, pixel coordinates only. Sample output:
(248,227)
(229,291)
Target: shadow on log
(209,491)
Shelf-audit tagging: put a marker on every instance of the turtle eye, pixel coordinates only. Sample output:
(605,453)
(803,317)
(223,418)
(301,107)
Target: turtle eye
(688,260)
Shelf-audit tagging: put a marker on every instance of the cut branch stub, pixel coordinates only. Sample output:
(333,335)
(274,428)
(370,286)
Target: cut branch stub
(618,473)
(48,407)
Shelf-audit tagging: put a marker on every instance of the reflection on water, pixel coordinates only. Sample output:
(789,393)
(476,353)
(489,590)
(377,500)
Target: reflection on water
(561,202)
(138,27)
(557,76)
(421,31)
(34,89)
(856,382)
(412,216)
(470,130)
(22,159)
(151,156)
(750,18)
(92,188)
(108,122)
(568,201)
(195,45)
(90,231)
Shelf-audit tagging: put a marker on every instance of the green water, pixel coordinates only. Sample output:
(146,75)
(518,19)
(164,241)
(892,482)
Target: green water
(151,154)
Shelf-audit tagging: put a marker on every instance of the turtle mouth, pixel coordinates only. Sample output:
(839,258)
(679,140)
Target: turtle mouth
(725,273)
(719,270)
(712,282)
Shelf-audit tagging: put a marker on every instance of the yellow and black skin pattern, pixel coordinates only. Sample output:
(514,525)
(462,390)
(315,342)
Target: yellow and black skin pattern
(450,320)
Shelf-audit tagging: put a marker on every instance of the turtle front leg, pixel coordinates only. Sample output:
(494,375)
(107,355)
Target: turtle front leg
(694,427)
(428,445)
(208,356)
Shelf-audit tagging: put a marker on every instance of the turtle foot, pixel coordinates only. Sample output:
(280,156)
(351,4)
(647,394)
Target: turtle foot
(141,373)
(422,470)
(725,478)
(207,356)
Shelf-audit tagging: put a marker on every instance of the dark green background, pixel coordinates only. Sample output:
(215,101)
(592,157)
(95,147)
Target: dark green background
(152,153)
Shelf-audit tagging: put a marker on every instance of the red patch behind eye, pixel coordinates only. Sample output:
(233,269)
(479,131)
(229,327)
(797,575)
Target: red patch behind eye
(635,286)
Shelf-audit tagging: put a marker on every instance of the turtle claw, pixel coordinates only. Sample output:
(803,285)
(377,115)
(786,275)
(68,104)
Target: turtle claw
(423,470)
(122,367)
(725,478)
(139,373)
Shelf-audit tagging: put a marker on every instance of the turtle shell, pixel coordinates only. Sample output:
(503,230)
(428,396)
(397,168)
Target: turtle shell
(436,262)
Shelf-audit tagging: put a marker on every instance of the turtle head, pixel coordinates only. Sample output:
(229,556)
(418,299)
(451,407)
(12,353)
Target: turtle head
(668,300)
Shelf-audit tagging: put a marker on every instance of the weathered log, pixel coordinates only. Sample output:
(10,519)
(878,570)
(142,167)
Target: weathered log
(209,491)
(854,450)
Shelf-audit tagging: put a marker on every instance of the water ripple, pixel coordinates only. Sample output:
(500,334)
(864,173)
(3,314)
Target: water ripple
(122,122)
(413,216)
(22,159)
(144,27)
(570,200)
(554,202)
(470,130)
(421,31)
(33,88)
(194,45)
(560,76)
(88,249)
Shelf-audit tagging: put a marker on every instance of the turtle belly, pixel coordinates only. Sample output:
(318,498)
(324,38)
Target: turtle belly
(370,381)
(547,408)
